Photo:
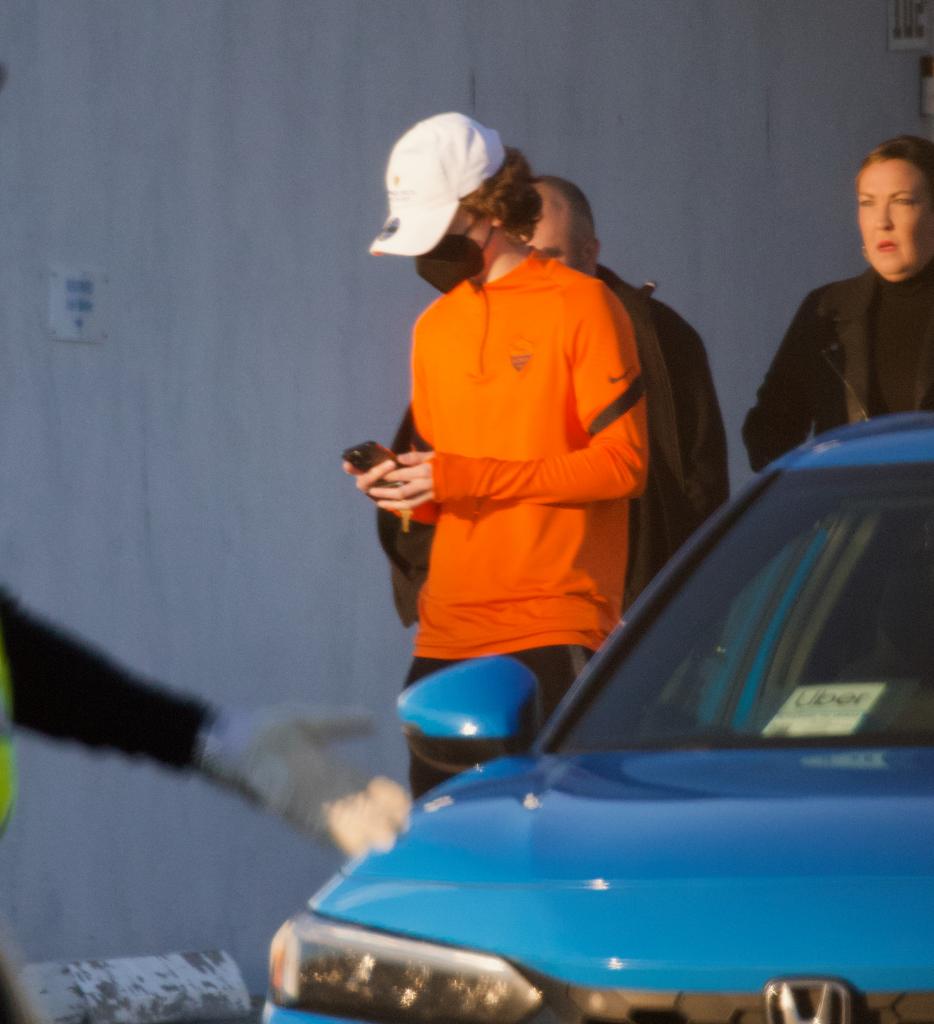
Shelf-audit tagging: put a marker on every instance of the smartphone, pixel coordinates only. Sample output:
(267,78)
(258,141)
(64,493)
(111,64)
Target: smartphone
(367,455)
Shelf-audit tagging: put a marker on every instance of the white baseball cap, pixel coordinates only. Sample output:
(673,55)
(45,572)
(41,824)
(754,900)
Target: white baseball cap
(431,168)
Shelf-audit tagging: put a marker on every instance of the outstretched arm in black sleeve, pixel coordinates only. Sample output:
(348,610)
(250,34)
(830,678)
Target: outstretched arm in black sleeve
(275,757)
(66,689)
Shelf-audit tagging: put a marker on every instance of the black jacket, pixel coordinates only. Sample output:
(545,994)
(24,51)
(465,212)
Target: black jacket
(820,376)
(63,688)
(688,476)
(687,454)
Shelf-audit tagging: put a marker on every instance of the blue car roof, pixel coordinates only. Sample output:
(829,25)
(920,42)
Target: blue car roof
(900,438)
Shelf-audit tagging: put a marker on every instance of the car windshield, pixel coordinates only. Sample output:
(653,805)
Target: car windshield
(810,621)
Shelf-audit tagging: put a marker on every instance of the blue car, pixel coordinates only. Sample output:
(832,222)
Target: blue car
(729,820)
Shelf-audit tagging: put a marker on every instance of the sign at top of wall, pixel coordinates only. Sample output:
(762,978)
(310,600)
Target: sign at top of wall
(909,25)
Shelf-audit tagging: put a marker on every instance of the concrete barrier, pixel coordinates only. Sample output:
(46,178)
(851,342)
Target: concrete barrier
(168,989)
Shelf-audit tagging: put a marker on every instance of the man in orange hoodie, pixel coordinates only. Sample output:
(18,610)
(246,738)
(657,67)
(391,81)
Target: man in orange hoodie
(527,387)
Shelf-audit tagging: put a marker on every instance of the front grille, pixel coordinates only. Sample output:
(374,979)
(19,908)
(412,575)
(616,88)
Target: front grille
(628,1006)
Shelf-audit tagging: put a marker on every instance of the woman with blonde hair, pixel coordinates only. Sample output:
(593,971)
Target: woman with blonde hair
(864,346)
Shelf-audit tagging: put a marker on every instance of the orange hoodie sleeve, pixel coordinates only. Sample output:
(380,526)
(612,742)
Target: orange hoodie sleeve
(608,468)
(610,410)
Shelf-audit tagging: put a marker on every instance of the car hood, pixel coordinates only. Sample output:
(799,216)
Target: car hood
(704,870)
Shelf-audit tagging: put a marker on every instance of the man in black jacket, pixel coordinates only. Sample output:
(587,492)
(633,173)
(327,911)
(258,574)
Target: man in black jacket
(688,476)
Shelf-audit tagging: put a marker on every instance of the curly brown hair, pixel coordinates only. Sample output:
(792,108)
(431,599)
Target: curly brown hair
(912,149)
(509,196)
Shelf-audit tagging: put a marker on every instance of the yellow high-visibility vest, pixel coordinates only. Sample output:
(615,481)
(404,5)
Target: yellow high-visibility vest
(7,761)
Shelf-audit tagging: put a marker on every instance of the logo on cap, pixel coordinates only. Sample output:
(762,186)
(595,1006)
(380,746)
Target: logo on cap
(389,229)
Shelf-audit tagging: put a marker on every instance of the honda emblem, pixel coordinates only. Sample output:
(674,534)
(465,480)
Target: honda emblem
(807,1001)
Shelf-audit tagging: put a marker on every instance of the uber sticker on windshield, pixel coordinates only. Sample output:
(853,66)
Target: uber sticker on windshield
(833,709)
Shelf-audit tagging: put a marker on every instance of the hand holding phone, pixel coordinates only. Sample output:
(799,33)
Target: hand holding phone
(368,454)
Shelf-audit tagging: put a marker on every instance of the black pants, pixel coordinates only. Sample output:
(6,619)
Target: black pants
(555,668)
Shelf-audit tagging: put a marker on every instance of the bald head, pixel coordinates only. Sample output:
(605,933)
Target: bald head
(566,229)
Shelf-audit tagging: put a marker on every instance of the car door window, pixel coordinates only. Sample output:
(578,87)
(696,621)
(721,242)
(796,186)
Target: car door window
(812,618)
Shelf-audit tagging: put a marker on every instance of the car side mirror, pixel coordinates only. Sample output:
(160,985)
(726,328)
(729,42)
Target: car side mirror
(470,713)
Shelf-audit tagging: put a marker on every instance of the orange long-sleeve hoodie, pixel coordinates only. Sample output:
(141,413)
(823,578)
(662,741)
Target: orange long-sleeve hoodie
(529,391)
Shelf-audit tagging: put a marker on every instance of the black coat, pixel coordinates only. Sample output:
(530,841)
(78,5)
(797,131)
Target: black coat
(688,476)
(820,376)
(687,454)
(64,688)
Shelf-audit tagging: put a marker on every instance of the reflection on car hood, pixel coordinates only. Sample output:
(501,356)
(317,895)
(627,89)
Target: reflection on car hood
(715,868)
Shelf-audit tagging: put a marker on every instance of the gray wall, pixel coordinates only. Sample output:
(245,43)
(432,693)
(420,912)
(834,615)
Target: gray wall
(174,493)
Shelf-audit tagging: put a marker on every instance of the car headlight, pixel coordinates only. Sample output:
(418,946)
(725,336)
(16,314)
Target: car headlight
(343,970)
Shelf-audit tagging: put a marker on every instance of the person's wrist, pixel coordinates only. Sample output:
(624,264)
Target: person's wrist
(439,465)
(222,741)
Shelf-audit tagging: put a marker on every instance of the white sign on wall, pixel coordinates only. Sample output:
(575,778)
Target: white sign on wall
(77,304)
(909,25)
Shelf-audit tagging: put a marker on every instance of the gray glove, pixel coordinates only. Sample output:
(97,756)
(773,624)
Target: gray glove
(277,757)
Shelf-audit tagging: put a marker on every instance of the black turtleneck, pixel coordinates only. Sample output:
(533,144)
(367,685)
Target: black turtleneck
(901,314)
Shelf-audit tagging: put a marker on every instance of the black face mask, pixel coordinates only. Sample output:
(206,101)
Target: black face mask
(453,259)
